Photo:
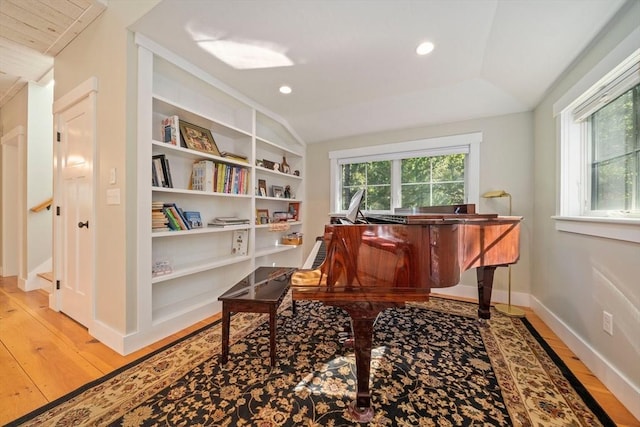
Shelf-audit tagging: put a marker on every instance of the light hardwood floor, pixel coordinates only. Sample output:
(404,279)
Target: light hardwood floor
(44,355)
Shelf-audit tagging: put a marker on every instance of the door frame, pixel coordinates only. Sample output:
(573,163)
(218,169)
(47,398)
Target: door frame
(14,203)
(87,89)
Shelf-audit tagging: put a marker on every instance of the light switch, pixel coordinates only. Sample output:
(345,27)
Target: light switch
(113,196)
(112,176)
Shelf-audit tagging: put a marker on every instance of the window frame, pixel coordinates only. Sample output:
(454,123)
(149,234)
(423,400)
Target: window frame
(464,143)
(573,209)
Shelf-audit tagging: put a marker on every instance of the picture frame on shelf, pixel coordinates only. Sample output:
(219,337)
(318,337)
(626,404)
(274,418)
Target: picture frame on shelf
(277,191)
(267,164)
(262,187)
(262,216)
(294,211)
(198,138)
(280,216)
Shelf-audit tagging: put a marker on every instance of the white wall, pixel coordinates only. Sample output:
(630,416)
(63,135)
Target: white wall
(575,277)
(506,162)
(104,50)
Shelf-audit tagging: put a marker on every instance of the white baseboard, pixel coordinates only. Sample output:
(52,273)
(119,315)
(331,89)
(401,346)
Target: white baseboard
(125,344)
(107,336)
(618,384)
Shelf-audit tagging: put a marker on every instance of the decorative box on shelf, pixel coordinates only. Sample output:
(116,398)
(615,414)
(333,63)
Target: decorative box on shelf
(292,239)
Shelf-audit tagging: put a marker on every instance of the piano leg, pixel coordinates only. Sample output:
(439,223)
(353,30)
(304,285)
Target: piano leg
(363,316)
(485,286)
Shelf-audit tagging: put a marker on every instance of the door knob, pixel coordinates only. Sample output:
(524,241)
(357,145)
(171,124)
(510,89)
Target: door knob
(83,224)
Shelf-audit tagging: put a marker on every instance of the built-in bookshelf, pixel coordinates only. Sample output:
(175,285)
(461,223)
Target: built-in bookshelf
(183,270)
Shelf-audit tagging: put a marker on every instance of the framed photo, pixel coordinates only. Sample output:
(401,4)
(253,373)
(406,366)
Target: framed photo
(277,191)
(280,216)
(262,216)
(262,187)
(198,138)
(294,211)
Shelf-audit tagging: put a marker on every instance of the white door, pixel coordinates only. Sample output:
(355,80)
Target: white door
(75,126)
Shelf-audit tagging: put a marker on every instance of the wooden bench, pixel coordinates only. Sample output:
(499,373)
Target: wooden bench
(260,292)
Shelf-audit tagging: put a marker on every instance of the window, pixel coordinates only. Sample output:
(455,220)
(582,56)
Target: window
(615,154)
(424,181)
(433,181)
(430,172)
(600,152)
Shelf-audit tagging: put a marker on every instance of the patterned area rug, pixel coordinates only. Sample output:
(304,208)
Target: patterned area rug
(433,364)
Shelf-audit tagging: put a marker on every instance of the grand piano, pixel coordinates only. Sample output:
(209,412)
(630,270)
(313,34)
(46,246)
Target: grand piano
(382,262)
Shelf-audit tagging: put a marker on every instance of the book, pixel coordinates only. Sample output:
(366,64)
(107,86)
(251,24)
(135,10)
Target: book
(203,176)
(171,130)
(162,170)
(234,156)
(167,172)
(178,215)
(159,221)
(239,242)
(193,218)
(158,171)
(222,221)
(172,221)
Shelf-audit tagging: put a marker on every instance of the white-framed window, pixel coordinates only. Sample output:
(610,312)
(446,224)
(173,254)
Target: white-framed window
(599,132)
(427,172)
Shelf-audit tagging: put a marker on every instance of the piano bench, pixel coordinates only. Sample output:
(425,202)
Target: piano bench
(264,296)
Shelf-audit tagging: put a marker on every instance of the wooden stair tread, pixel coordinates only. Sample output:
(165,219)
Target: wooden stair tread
(47,276)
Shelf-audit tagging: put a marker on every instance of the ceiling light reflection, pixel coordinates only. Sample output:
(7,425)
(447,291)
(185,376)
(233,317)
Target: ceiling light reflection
(246,55)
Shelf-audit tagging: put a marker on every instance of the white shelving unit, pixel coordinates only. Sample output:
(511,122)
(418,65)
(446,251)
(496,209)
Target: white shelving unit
(202,264)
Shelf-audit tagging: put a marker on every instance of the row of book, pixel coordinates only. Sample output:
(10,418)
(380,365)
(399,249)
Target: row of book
(160,172)
(219,178)
(168,216)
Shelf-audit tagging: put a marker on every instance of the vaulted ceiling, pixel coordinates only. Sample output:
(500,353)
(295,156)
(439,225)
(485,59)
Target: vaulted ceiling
(353,66)
(33,32)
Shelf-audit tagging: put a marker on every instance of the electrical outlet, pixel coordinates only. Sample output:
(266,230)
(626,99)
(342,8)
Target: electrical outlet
(607,322)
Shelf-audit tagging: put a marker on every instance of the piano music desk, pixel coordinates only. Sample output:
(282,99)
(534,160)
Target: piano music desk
(260,292)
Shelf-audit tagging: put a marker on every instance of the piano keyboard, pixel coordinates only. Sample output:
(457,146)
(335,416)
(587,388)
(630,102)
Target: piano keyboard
(317,255)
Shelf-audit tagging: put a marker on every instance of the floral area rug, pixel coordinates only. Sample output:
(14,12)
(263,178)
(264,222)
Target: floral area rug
(433,364)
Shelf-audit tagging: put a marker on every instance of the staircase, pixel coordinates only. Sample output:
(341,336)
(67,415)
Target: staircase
(46,281)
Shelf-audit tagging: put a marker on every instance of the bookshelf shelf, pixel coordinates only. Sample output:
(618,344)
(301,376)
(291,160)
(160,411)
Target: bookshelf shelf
(274,250)
(276,173)
(278,147)
(204,230)
(202,260)
(198,193)
(199,266)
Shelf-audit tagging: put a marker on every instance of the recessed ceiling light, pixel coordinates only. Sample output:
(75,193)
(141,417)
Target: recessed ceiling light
(285,89)
(425,48)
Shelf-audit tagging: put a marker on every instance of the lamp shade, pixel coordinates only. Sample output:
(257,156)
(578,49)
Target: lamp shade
(495,193)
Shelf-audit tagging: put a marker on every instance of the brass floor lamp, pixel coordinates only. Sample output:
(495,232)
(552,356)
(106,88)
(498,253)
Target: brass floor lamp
(507,309)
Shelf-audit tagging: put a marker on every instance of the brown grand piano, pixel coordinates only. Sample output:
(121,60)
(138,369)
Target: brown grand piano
(373,266)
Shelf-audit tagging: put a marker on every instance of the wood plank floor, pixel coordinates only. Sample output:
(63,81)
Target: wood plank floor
(44,355)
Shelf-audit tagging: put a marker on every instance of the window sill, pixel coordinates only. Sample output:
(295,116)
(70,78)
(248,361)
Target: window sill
(626,229)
